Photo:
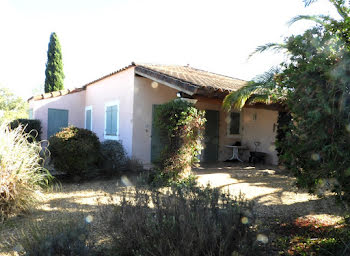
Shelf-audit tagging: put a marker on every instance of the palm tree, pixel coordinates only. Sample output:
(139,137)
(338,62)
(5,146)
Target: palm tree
(263,89)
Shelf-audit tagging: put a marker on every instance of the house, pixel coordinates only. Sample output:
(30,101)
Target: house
(120,106)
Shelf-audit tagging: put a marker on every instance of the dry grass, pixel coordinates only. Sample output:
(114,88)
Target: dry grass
(273,192)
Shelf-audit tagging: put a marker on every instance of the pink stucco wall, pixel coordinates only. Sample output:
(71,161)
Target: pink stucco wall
(135,96)
(260,125)
(146,94)
(73,102)
(116,88)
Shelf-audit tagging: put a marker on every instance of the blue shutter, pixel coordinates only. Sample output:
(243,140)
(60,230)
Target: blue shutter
(114,119)
(57,119)
(88,119)
(109,120)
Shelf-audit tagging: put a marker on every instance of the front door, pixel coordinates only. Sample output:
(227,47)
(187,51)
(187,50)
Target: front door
(211,136)
(157,140)
(57,119)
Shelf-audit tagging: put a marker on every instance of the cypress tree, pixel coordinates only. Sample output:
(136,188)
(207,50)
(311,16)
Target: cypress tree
(54,67)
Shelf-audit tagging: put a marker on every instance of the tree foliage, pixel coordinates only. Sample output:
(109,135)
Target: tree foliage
(315,145)
(11,106)
(317,148)
(54,75)
(317,77)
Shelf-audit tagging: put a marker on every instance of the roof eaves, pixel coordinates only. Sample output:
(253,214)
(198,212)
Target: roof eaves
(187,87)
(55,94)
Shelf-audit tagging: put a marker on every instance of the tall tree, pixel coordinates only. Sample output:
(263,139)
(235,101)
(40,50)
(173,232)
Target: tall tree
(54,67)
(316,77)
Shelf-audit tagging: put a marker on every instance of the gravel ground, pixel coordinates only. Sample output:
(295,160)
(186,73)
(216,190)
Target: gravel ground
(271,189)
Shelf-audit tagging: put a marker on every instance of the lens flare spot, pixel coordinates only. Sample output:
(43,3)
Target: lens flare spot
(244,220)
(89,219)
(154,85)
(18,248)
(262,238)
(347,127)
(315,157)
(125,181)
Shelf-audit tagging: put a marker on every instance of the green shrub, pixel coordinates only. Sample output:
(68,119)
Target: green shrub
(62,238)
(75,151)
(186,220)
(113,156)
(182,125)
(31,126)
(21,173)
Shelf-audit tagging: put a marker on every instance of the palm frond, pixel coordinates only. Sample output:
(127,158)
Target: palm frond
(237,99)
(320,19)
(308,2)
(268,47)
(262,89)
(341,7)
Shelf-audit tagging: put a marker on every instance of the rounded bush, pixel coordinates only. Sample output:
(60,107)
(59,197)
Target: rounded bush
(113,156)
(75,150)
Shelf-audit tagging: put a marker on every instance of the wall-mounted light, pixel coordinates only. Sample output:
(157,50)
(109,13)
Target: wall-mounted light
(254,117)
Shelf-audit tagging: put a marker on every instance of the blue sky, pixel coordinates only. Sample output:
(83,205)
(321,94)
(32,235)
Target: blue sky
(100,36)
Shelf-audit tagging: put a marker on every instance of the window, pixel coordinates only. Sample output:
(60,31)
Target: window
(30,114)
(88,118)
(112,120)
(234,123)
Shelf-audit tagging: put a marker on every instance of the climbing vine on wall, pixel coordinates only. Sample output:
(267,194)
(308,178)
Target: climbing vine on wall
(182,125)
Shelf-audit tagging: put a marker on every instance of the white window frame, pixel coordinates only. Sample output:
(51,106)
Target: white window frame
(111,137)
(228,134)
(86,109)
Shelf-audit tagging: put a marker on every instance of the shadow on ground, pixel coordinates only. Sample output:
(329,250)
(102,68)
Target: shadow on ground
(273,190)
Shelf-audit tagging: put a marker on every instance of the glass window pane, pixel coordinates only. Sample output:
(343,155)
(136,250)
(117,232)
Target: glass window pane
(234,123)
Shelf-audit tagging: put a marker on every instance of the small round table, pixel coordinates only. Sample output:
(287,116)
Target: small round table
(235,152)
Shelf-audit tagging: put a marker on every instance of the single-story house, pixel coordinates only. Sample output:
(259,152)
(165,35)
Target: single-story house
(120,106)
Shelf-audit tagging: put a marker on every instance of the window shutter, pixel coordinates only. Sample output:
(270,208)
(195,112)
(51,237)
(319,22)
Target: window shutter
(112,120)
(109,120)
(88,120)
(114,110)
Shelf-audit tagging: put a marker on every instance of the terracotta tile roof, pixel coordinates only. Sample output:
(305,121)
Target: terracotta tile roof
(55,94)
(186,78)
(196,77)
